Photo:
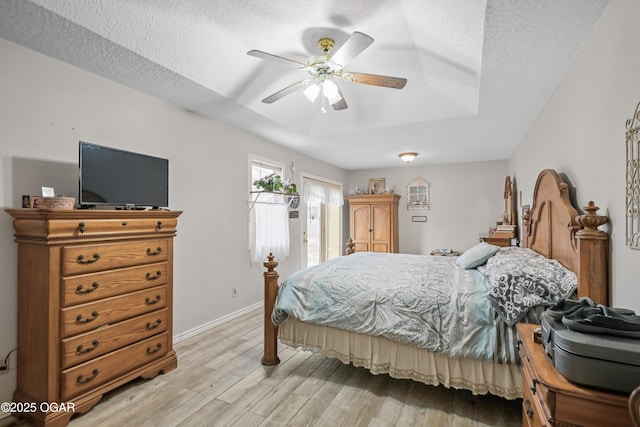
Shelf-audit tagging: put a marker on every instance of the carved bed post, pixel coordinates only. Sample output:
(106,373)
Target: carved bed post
(271,276)
(592,254)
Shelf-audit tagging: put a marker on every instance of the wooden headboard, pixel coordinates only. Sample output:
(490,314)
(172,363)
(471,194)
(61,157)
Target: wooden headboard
(555,229)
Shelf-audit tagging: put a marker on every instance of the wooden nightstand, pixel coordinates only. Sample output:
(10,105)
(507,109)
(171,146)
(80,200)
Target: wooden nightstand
(492,239)
(548,398)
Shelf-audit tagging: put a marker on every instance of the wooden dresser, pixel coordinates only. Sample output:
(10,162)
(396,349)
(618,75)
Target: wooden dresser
(373,220)
(550,399)
(95,294)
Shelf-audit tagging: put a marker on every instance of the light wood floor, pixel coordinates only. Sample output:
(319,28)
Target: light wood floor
(220,382)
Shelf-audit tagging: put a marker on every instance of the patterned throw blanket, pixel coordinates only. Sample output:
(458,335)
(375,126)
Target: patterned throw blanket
(424,301)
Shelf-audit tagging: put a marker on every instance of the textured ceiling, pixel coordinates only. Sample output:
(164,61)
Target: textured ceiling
(478,71)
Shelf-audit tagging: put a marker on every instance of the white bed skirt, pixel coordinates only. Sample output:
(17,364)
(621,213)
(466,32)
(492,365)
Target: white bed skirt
(382,356)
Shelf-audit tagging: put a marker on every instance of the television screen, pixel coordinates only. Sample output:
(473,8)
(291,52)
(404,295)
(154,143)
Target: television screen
(113,177)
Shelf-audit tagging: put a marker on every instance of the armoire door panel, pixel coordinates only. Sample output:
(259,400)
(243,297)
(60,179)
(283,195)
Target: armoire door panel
(362,219)
(381,223)
(380,247)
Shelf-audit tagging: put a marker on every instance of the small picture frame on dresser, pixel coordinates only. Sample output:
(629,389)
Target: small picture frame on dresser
(27,202)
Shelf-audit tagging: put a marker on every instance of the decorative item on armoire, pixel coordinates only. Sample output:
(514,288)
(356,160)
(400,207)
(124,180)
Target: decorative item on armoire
(376,186)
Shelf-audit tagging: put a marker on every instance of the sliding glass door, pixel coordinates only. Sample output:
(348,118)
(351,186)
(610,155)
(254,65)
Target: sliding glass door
(322,221)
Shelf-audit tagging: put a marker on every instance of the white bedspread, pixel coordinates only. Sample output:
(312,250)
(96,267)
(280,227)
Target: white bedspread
(423,301)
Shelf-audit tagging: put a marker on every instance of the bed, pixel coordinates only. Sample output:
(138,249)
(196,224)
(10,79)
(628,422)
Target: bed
(477,351)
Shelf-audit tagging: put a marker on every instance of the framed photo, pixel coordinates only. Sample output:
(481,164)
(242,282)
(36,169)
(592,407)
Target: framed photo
(376,185)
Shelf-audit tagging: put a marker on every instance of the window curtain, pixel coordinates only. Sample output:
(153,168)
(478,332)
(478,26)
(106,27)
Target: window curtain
(315,191)
(268,231)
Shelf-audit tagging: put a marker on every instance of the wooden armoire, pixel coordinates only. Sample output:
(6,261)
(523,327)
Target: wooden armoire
(373,222)
(95,302)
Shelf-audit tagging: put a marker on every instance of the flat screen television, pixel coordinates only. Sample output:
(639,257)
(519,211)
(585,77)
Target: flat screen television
(127,180)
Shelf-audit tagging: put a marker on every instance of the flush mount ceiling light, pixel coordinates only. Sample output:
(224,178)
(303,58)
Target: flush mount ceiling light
(408,157)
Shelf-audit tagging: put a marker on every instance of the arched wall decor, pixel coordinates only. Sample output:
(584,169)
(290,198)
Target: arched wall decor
(418,194)
(633,180)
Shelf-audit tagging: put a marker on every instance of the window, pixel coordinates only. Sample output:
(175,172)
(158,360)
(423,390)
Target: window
(260,169)
(268,221)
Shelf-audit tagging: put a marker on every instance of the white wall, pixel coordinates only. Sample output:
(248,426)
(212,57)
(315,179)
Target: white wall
(581,132)
(466,199)
(47,106)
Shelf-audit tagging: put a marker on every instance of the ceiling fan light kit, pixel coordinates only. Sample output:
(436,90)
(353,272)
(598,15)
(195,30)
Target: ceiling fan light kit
(325,68)
(408,157)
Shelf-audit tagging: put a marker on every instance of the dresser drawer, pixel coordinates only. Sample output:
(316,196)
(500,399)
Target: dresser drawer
(104,228)
(90,258)
(537,390)
(533,414)
(86,317)
(95,286)
(81,348)
(99,371)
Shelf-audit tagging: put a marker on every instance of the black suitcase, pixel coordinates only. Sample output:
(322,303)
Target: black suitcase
(603,361)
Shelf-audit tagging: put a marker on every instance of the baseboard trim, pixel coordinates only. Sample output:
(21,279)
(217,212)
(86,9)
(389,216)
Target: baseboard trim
(217,322)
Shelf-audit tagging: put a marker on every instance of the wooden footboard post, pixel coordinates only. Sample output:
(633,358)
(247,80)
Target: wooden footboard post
(271,276)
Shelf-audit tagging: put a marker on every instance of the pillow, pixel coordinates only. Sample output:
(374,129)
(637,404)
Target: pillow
(477,255)
(520,279)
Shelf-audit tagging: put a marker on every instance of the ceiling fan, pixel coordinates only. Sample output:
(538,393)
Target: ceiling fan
(325,68)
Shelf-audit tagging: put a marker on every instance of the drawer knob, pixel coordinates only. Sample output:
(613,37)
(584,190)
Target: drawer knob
(154,325)
(94,345)
(80,288)
(154,350)
(529,410)
(80,319)
(159,225)
(532,387)
(81,227)
(150,301)
(156,252)
(157,276)
(82,380)
(93,259)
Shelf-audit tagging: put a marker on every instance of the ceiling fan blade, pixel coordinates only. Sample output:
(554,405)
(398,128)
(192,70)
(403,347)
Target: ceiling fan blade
(375,80)
(355,44)
(268,56)
(287,91)
(342,104)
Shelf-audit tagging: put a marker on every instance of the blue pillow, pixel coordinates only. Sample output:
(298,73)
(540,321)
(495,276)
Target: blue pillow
(477,255)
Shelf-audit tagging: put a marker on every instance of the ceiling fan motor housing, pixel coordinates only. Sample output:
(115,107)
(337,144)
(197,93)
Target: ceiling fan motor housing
(325,44)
